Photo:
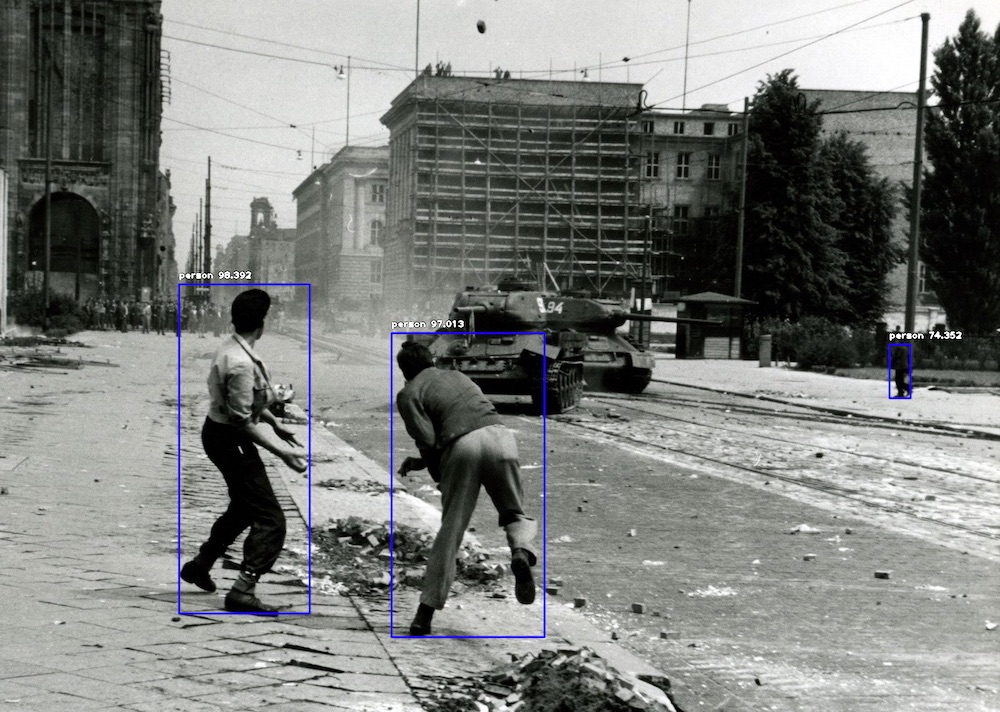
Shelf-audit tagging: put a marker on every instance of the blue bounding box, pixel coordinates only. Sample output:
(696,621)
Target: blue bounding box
(392,470)
(896,365)
(248,285)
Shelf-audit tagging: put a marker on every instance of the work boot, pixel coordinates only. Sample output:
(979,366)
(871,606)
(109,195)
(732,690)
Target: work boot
(242,599)
(242,602)
(524,582)
(195,573)
(421,624)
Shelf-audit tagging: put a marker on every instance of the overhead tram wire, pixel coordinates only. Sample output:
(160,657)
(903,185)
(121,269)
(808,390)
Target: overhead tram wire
(791,51)
(734,34)
(386,65)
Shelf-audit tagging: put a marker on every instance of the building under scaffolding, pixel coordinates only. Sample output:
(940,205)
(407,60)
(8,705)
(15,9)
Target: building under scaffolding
(492,177)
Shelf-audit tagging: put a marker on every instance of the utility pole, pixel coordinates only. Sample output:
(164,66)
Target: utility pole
(50,69)
(416,55)
(741,210)
(208,223)
(687,37)
(347,139)
(913,271)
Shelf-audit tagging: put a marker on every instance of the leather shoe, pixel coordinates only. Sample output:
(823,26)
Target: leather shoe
(195,573)
(242,602)
(524,582)
(419,628)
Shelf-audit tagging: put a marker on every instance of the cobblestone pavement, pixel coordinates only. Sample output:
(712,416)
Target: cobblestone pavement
(88,532)
(89,540)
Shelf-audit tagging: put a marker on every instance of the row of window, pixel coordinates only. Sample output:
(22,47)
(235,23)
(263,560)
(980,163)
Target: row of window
(651,166)
(680,226)
(708,128)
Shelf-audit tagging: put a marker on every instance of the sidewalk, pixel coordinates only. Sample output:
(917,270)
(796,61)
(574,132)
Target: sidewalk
(977,412)
(88,535)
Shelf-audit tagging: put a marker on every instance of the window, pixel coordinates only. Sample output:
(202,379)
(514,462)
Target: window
(378,192)
(646,126)
(682,220)
(683,165)
(921,278)
(651,165)
(678,127)
(709,128)
(377,229)
(376,272)
(713,212)
(733,130)
(714,167)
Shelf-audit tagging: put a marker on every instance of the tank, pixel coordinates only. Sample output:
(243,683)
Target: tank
(582,346)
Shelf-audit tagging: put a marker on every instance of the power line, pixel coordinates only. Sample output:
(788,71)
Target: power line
(285,44)
(791,51)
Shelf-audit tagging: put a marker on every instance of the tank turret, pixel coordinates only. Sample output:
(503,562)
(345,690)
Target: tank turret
(583,347)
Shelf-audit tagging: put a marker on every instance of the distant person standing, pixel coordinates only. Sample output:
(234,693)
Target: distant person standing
(172,315)
(901,369)
(241,392)
(147,316)
(465,448)
(160,316)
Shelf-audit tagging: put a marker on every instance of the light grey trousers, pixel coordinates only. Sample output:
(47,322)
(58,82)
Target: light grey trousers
(483,458)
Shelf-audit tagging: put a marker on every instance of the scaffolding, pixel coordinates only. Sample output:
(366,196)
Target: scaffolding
(493,178)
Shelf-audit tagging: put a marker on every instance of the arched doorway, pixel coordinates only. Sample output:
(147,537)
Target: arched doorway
(74,249)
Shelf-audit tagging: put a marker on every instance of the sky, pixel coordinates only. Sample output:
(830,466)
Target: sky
(256,86)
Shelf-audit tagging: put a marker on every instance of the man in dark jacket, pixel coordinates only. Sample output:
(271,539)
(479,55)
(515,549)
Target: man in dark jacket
(464,446)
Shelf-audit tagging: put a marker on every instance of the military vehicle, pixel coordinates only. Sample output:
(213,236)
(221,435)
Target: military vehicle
(581,344)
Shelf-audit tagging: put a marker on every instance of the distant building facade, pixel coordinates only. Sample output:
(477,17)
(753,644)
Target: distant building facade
(341,228)
(886,123)
(267,253)
(80,83)
(492,177)
(689,171)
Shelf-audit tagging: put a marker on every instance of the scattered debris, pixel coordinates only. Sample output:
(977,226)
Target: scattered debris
(712,592)
(356,552)
(638,608)
(803,529)
(882,574)
(563,679)
(579,602)
(809,557)
(990,625)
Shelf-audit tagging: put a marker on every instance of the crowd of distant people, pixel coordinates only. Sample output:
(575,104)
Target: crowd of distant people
(159,315)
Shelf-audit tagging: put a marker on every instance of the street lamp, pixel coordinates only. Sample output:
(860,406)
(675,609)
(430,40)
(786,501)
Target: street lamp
(341,74)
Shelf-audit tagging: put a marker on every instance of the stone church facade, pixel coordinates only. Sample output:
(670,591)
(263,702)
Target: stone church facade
(81,95)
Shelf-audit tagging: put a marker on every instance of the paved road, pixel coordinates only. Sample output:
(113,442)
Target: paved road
(752,624)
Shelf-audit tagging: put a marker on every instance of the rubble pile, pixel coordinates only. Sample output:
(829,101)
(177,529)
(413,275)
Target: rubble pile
(564,680)
(356,551)
(355,484)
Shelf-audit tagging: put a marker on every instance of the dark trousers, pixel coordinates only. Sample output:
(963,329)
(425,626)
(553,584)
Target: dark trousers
(251,501)
(902,389)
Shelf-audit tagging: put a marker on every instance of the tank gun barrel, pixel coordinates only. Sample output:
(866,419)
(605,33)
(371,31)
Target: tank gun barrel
(636,316)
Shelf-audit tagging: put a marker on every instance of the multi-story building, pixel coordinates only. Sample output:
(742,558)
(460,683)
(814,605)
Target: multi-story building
(689,167)
(80,100)
(267,253)
(492,177)
(341,224)
(885,122)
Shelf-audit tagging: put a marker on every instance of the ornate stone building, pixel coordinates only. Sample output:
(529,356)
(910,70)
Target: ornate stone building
(81,94)
(341,229)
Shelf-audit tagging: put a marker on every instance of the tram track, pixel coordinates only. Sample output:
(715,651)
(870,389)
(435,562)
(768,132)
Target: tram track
(933,498)
(631,404)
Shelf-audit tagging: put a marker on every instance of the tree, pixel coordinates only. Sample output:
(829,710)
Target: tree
(960,217)
(862,209)
(792,265)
